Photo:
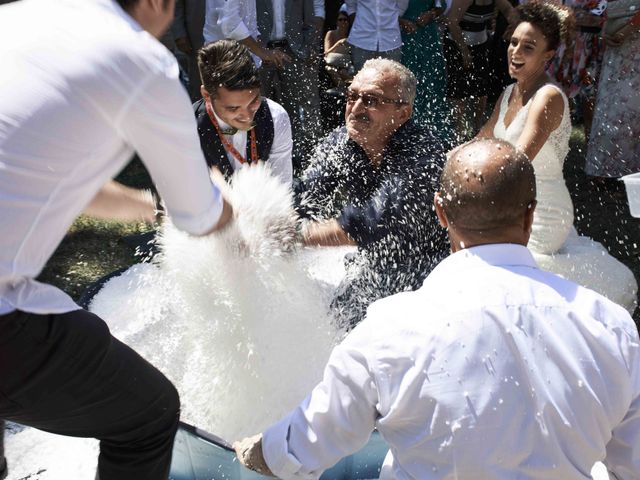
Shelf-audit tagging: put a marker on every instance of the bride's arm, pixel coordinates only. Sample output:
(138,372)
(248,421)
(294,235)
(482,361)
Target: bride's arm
(543,118)
(487,129)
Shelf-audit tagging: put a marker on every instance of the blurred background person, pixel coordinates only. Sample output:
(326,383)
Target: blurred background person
(375,31)
(422,54)
(337,52)
(576,66)
(187,29)
(614,148)
(466,50)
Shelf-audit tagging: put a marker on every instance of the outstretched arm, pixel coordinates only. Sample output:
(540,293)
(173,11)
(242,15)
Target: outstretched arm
(326,234)
(545,115)
(115,201)
(487,129)
(335,420)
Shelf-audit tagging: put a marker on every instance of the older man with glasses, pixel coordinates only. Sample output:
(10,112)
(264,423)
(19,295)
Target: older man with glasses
(369,184)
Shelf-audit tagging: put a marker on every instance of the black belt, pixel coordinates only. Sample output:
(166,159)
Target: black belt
(284,43)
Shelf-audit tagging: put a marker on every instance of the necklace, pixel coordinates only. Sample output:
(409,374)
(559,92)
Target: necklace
(228,146)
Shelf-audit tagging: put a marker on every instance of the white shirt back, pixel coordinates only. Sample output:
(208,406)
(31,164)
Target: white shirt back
(493,369)
(83,87)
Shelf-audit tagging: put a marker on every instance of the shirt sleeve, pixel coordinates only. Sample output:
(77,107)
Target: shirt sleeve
(335,420)
(623,450)
(402,6)
(280,154)
(158,122)
(231,22)
(318,8)
(351,6)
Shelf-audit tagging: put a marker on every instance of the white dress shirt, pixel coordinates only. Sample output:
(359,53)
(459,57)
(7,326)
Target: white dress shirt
(77,100)
(376,26)
(493,369)
(278,31)
(232,19)
(280,154)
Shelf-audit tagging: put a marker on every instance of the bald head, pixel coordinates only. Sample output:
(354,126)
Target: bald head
(487,187)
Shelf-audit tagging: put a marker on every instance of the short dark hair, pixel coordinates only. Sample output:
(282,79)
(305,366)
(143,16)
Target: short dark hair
(489,197)
(228,64)
(556,22)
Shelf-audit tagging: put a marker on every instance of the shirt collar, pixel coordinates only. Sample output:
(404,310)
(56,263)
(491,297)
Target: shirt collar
(496,254)
(223,125)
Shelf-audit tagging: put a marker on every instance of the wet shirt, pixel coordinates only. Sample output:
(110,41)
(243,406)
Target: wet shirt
(77,100)
(494,369)
(387,210)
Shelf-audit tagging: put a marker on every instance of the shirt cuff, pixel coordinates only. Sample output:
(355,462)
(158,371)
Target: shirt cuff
(239,33)
(275,449)
(202,223)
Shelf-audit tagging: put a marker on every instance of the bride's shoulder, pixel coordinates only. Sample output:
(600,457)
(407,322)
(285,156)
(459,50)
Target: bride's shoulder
(550,101)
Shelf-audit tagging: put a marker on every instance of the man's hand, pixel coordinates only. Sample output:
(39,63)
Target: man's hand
(407,26)
(184,45)
(275,57)
(425,18)
(249,452)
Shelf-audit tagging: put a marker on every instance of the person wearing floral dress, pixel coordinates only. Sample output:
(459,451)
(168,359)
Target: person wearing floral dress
(614,148)
(577,65)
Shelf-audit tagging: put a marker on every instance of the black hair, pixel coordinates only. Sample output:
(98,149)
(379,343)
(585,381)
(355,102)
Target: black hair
(228,64)
(556,22)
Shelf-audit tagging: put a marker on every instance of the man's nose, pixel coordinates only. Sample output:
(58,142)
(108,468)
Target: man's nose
(358,105)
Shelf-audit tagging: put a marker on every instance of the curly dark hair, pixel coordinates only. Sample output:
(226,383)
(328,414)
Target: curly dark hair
(556,22)
(228,64)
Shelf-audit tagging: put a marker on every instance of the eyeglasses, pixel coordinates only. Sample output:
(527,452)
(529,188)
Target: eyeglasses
(370,100)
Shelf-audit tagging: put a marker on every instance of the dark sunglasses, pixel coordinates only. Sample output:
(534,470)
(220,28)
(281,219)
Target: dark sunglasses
(371,101)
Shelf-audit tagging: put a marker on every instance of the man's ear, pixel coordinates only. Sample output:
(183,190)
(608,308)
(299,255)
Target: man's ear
(204,93)
(528,217)
(407,111)
(442,217)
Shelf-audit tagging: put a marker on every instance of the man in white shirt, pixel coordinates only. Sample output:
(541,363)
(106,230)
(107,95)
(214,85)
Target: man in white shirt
(493,369)
(294,27)
(237,20)
(236,125)
(85,84)
(375,30)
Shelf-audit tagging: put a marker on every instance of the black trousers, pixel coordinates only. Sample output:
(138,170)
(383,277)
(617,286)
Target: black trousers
(66,374)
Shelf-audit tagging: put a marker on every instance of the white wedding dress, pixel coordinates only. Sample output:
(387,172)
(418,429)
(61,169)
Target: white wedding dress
(554,242)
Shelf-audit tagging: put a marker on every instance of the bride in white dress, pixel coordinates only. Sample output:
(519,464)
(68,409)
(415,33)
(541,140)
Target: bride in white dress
(533,114)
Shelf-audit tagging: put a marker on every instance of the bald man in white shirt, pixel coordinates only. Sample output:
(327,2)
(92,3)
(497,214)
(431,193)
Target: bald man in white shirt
(85,84)
(493,369)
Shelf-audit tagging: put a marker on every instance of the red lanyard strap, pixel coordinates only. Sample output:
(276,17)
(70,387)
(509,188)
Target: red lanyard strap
(229,145)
